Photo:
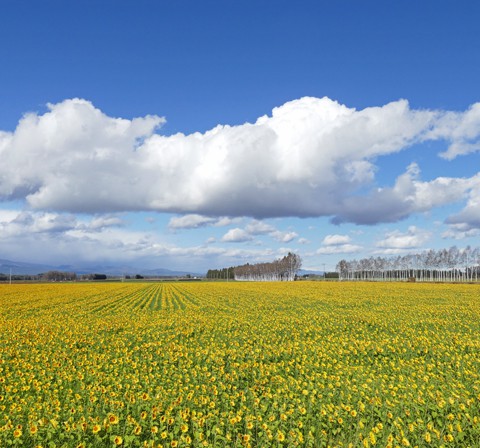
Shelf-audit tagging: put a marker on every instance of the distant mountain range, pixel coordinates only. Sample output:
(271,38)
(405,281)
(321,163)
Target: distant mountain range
(21,268)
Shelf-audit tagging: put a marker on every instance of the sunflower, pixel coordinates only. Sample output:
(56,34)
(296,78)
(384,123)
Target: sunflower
(113,419)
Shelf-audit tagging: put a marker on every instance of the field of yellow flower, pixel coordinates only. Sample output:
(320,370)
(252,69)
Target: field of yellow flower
(306,364)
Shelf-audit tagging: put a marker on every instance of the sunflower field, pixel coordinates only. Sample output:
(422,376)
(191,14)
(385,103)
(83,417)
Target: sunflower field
(199,364)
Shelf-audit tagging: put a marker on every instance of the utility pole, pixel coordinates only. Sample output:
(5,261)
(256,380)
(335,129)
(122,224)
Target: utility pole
(324,272)
(10,275)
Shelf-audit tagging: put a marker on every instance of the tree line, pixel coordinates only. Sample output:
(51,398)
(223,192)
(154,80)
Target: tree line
(52,276)
(450,265)
(282,269)
(221,274)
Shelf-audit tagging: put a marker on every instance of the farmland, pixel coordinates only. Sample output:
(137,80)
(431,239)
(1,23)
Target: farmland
(239,364)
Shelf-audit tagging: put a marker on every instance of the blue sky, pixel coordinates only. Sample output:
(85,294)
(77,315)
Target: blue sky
(195,135)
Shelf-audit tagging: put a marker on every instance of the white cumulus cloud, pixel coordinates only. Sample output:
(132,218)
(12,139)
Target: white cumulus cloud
(236,235)
(310,157)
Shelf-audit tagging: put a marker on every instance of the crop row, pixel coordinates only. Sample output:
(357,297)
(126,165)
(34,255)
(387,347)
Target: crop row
(239,364)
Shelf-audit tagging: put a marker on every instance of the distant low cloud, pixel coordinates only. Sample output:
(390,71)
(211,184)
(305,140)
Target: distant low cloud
(258,228)
(397,242)
(409,195)
(102,222)
(338,244)
(48,237)
(190,221)
(461,231)
(339,249)
(284,237)
(311,157)
(194,221)
(14,223)
(334,240)
(461,129)
(469,218)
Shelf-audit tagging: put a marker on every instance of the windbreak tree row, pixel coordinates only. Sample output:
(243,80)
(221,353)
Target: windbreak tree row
(283,269)
(221,274)
(452,265)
